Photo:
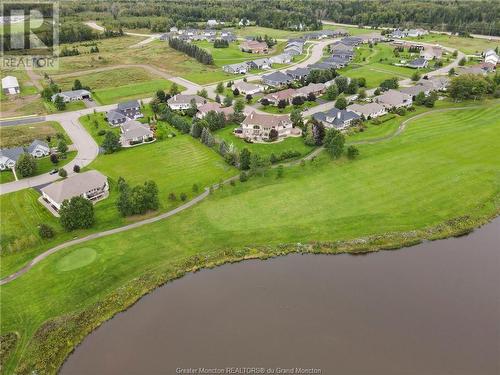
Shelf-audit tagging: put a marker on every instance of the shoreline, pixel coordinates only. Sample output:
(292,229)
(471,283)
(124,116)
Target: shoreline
(57,338)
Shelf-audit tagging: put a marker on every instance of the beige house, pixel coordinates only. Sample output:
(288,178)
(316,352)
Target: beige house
(211,106)
(394,99)
(247,88)
(91,185)
(369,110)
(258,126)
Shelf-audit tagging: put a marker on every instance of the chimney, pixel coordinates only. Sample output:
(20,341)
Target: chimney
(339,113)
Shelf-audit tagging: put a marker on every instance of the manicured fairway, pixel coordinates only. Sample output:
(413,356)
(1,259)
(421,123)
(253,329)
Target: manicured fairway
(264,149)
(443,166)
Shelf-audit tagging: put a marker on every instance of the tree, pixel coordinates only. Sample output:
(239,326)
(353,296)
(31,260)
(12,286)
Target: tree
(318,132)
(249,98)
(76,168)
(243,176)
(174,89)
(468,86)
(245,159)
(196,129)
(296,118)
(334,142)
(193,108)
(236,92)
(298,101)
(332,92)
(391,83)
(282,104)
(203,93)
(215,120)
(353,87)
(273,135)
(195,188)
(420,98)
(183,196)
(309,137)
(111,142)
(77,85)
(361,94)
(76,213)
(265,102)
(352,152)
(217,98)
(227,102)
(462,61)
(280,171)
(54,159)
(220,88)
(59,103)
(341,103)
(239,106)
(160,95)
(45,231)
(26,165)
(342,83)
(311,97)
(62,173)
(377,91)
(415,76)
(451,72)
(62,147)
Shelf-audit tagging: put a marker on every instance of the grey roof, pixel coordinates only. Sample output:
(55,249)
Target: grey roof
(338,121)
(352,40)
(417,89)
(320,66)
(36,143)
(336,59)
(128,105)
(74,185)
(237,66)
(73,93)
(418,62)
(115,115)
(134,129)
(302,72)
(279,77)
(12,153)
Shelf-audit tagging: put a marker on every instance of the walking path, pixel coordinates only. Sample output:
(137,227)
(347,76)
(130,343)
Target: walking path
(194,201)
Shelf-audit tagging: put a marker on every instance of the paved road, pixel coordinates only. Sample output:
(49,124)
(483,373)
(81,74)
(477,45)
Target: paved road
(149,37)
(22,120)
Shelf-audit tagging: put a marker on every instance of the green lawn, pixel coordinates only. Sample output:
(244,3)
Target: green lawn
(443,166)
(6,176)
(261,31)
(71,106)
(351,30)
(132,91)
(263,149)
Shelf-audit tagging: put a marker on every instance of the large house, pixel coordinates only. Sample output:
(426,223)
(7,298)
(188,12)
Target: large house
(283,58)
(431,53)
(276,79)
(9,157)
(259,64)
(254,46)
(91,185)
(125,111)
(182,101)
(247,88)
(299,73)
(38,148)
(438,83)
(336,118)
(133,132)
(419,87)
(418,63)
(312,88)
(369,110)
(275,97)
(73,95)
(394,99)
(258,126)
(216,107)
(10,86)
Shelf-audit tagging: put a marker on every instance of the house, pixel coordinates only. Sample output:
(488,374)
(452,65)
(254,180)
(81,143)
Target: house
(394,99)
(10,86)
(336,118)
(211,106)
(38,148)
(247,88)
(91,185)
(181,101)
(260,64)
(399,34)
(431,53)
(238,68)
(244,22)
(227,35)
(298,73)
(286,95)
(293,50)
(418,63)
(340,32)
(474,69)
(372,38)
(276,79)
(340,48)
(70,96)
(369,110)
(174,30)
(115,117)
(488,67)
(416,32)
(253,46)
(212,23)
(9,157)
(283,58)
(337,61)
(352,40)
(131,109)
(490,56)
(312,88)
(413,91)
(133,132)
(321,66)
(257,126)
(438,83)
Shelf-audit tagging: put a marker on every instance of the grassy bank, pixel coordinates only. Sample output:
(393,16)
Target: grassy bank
(438,178)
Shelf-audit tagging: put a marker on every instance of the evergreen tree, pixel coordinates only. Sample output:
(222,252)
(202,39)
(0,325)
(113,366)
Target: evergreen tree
(26,165)
(245,159)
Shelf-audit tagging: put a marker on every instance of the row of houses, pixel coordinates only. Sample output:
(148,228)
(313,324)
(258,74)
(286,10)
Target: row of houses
(10,156)
(189,35)
(412,33)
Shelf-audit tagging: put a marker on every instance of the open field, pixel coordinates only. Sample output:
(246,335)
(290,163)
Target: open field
(133,91)
(466,45)
(351,30)
(444,166)
(272,33)
(264,149)
(23,135)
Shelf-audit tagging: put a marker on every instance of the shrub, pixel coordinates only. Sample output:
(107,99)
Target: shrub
(54,159)
(76,168)
(101,132)
(63,173)
(243,176)
(183,196)
(352,152)
(45,231)
(232,183)
(172,197)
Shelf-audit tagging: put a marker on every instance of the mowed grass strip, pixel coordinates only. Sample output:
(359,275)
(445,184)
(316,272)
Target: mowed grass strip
(444,165)
(133,91)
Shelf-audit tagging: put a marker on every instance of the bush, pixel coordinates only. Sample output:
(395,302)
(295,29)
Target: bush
(62,173)
(352,152)
(172,197)
(232,183)
(45,231)
(101,132)
(243,176)
(76,168)
(183,196)
(54,159)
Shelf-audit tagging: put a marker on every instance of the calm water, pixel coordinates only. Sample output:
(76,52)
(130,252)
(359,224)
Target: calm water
(430,309)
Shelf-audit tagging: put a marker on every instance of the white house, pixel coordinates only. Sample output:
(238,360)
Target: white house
(38,148)
(247,88)
(70,96)
(258,126)
(91,185)
(182,101)
(238,68)
(9,157)
(10,86)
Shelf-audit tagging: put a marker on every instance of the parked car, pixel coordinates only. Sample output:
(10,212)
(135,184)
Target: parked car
(54,171)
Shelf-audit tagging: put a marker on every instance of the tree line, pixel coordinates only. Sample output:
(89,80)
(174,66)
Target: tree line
(191,50)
